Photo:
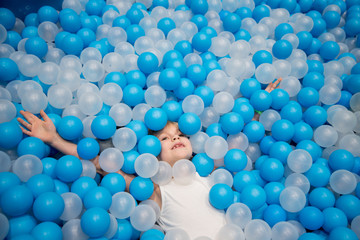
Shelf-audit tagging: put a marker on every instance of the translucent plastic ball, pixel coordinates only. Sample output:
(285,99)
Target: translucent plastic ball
(16,200)
(183,172)
(95,222)
(342,181)
(111,93)
(221,176)
(325,136)
(350,143)
(216,147)
(239,214)
(4,229)
(329,94)
(257,229)
(268,118)
(93,71)
(143,217)
(292,199)
(34,101)
(8,111)
(265,73)
(155,96)
(291,85)
(176,233)
(123,204)
(194,104)
(124,139)
(48,206)
(27,166)
(220,46)
(344,121)
(90,103)
(223,102)
(230,231)
(146,165)
(298,180)
(163,175)
(121,113)
(284,231)
(111,160)
(299,161)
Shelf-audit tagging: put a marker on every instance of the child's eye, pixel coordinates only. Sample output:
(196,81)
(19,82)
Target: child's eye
(163,138)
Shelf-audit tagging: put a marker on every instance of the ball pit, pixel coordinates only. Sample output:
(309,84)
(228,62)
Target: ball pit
(109,73)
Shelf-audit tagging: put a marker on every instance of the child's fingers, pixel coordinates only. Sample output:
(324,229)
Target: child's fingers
(44,116)
(24,123)
(28,116)
(277,82)
(25,131)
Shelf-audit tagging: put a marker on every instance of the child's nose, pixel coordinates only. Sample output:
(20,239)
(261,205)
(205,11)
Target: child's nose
(175,138)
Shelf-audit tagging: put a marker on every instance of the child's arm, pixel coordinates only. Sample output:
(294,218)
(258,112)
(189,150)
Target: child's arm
(269,88)
(46,131)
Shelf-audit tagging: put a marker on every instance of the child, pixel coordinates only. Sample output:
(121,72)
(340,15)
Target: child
(182,206)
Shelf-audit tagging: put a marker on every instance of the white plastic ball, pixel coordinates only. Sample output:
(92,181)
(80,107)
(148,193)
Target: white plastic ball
(93,71)
(265,73)
(34,101)
(176,233)
(122,205)
(215,80)
(355,102)
(142,44)
(209,116)
(257,229)
(325,136)
(131,62)
(89,169)
(29,65)
(155,96)
(48,31)
(176,35)
(3,33)
(223,102)
(71,62)
(111,160)
(298,180)
(111,93)
(113,62)
(198,142)
(239,141)
(69,78)
(284,231)
(72,230)
(121,113)
(268,118)
(344,121)
(235,67)
(7,111)
(73,206)
(124,48)
(299,68)
(216,147)
(4,224)
(257,43)
(299,160)
(163,175)
(343,181)
(48,72)
(139,111)
(239,214)
(292,199)
(5,162)
(124,139)
(193,104)
(102,31)
(230,232)
(90,53)
(27,166)
(183,171)
(143,217)
(333,68)
(355,225)
(146,165)
(90,103)
(54,55)
(291,85)
(329,94)
(221,176)
(155,34)
(220,46)
(239,49)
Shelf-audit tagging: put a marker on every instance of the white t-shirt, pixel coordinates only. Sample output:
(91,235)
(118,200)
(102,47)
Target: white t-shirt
(188,207)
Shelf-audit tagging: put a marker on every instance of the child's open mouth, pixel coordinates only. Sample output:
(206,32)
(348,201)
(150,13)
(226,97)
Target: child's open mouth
(178,145)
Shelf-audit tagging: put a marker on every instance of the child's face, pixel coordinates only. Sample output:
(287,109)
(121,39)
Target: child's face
(174,145)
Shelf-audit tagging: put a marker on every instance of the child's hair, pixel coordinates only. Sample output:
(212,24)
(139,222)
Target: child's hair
(157,133)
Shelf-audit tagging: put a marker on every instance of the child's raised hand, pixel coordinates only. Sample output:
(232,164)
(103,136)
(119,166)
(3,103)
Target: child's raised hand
(35,127)
(273,85)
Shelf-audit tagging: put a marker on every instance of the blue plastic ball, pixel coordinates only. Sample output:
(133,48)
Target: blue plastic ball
(272,170)
(70,127)
(232,123)
(201,42)
(235,160)
(40,183)
(341,159)
(321,198)
(329,50)
(261,100)
(342,233)
(292,112)
(279,98)
(133,32)
(179,65)
(16,200)
(88,148)
(350,205)
(273,214)
(184,47)
(244,108)
(311,218)
(87,35)
(282,49)
(31,145)
(266,143)
(221,196)
(215,129)
(243,179)
(255,131)
(8,180)
(308,96)
(313,148)
(82,185)
(186,88)
(273,191)
(315,116)
(141,188)
(97,197)
(94,7)
(47,230)
(280,150)
(13,38)
(206,94)
(138,127)
(199,7)
(129,160)
(166,24)
(113,182)
(262,56)
(253,196)
(116,77)
(319,27)
(21,225)
(70,22)
(314,47)
(7,18)
(351,27)
(155,119)
(242,34)
(103,127)
(260,12)
(149,144)
(48,13)
(9,69)
(203,163)
(147,62)
(305,39)
(48,206)
(68,168)
(302,131)
(72,44)
(196,73)
(173,110)
(318,175)
(189,123)
(232,22)
(134,15)
(133,94)
(200,21)
(171,55)
(334,218)
(332,19)
(314,80)
(282,29)
(95,222)
(11,134)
